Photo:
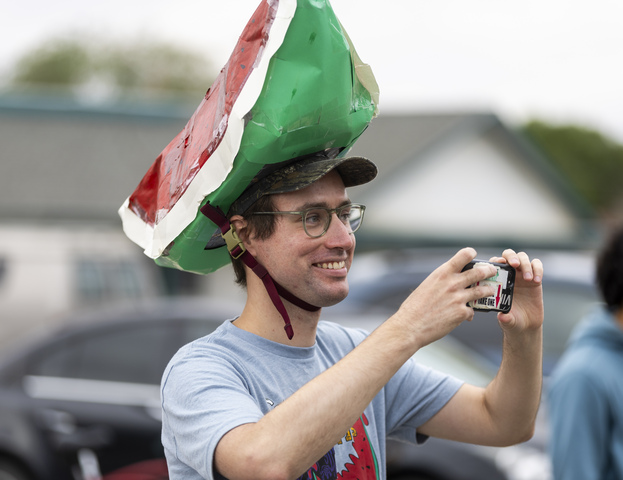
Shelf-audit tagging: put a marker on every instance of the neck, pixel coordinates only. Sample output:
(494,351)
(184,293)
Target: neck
(260,317)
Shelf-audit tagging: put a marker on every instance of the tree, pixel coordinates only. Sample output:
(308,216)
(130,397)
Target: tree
(58,62)
(142,68)
(155,67)
(591,162)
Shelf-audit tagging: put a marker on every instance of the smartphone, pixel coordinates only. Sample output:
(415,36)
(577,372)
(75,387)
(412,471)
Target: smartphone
(503,280)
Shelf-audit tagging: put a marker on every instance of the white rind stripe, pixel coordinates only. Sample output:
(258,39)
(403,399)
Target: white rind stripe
(215,170)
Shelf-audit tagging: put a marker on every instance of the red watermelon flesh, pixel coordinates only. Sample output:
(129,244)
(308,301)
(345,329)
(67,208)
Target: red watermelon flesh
(178,164)
(365,465)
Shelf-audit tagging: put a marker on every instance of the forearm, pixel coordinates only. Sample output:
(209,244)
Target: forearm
(298,432)
(512,399)
(503,413)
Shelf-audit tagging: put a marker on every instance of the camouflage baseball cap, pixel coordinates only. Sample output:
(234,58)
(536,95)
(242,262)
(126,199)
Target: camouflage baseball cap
(296,175)
(301,172)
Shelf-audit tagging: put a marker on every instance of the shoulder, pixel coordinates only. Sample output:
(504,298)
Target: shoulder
(595,345)
(584,376)
(212,353)
(211,345)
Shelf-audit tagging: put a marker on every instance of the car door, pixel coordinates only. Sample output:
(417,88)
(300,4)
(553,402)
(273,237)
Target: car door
(100,390)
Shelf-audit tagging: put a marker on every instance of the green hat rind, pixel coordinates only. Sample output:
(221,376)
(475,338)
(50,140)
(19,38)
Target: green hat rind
(312,99)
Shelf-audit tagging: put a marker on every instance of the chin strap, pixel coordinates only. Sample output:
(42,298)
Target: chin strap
(236,250)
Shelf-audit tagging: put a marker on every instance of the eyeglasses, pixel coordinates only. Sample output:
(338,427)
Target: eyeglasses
(316,220)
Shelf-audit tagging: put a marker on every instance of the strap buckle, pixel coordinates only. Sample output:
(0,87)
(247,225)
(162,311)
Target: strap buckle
(234,244)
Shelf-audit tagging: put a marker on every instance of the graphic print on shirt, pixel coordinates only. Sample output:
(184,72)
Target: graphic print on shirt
(323,469)
(362,464)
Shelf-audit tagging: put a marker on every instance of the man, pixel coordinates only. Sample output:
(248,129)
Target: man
(247,402)
(586,393)
(264,159)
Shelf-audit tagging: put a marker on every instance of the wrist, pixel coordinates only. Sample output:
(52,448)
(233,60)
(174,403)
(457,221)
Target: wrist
(525,339)
(404,332)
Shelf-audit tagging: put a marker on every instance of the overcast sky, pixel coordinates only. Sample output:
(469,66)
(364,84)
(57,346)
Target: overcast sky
(559,60)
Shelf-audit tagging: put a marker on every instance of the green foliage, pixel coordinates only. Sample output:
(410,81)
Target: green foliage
(156,67)
(139,68)
(58,62)
(591,162)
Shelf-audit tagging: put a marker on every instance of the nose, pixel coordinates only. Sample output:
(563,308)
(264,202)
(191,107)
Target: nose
(339,235)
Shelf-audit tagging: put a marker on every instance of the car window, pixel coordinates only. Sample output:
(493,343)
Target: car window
(137,355)
(99,280)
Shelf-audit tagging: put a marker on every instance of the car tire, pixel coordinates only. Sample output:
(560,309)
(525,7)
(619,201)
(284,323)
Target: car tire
(10,471)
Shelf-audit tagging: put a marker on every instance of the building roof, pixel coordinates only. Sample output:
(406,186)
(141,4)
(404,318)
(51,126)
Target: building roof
(65,160)
(457,177)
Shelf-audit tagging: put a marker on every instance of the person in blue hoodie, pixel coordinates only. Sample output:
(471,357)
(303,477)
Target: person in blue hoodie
(586,390)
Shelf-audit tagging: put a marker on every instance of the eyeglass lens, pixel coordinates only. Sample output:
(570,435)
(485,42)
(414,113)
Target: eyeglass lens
(317,220)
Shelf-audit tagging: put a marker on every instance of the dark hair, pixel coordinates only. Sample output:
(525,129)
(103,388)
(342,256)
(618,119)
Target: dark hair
(610,270)
(259,226)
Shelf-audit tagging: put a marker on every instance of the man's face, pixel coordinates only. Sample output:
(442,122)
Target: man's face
(313,269)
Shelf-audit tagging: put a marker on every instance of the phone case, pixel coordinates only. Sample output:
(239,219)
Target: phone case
(504,281)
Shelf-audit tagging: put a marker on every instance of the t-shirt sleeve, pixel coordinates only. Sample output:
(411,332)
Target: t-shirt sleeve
(413,396)
(203,393)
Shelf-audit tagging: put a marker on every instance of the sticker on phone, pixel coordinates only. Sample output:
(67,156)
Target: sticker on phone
(504,283)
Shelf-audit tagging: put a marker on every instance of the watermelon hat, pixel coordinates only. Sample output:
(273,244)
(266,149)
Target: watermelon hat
(294,92)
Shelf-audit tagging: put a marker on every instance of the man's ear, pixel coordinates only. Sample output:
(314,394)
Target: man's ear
(241,227)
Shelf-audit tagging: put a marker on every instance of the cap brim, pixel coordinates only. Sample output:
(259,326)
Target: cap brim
(296,176)
(353,170)
(299,174)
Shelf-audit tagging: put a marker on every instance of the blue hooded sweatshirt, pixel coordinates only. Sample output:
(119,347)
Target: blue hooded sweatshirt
(586,403)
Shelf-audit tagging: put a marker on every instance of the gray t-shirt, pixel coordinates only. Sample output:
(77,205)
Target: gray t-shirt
(232,377)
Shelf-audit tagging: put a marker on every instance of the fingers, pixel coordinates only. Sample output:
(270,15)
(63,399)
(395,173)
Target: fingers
(461,258)
(477,292)
(439,303)
(471,276)
(537,269)
(470,282)
(481,271)
(531,271)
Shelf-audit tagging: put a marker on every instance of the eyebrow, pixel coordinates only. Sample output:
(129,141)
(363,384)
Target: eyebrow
(322,205)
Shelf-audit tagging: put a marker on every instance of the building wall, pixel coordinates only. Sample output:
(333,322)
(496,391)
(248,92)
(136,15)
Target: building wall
(470,187)
(47,272)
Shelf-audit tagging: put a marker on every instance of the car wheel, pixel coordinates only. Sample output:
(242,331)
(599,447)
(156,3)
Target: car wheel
(10,471)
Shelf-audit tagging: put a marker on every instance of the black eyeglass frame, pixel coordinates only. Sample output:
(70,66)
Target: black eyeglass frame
(303,213)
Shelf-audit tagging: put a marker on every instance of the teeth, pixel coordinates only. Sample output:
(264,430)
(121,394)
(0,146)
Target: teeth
(332,265)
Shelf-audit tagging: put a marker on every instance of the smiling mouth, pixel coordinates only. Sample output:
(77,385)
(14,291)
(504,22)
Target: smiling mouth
(331,265)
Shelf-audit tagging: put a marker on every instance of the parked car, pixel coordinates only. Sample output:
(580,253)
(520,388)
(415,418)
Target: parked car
(87,397)
(155,469)
(93,386)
